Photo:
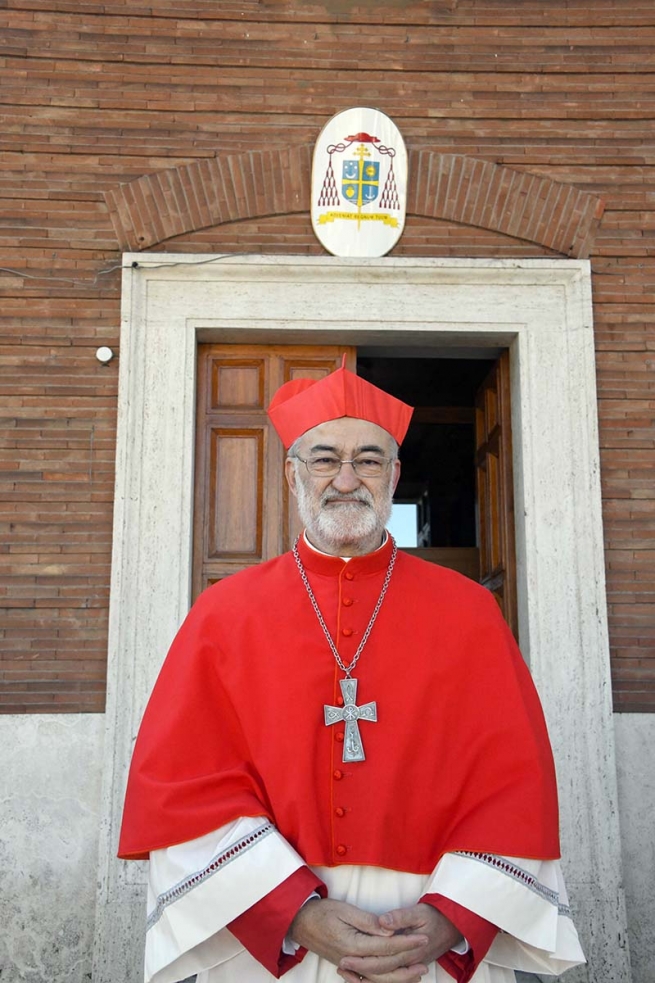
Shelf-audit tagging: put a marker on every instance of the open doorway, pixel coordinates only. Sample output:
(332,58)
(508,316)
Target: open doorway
(456,477)
(437,488)
(454,502)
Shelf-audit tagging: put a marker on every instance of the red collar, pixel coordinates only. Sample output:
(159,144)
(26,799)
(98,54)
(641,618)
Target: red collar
(332,566)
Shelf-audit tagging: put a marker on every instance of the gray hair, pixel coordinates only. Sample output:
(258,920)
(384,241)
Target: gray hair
(293,450)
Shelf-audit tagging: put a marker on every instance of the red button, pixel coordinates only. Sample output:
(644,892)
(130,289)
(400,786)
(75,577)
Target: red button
(347,632)
(347,601)
(342,850)
(340,811)
(339,736)
(339,701)
(348,575)
(337,774)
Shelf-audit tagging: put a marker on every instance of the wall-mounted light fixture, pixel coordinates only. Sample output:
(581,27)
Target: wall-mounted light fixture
(104,355)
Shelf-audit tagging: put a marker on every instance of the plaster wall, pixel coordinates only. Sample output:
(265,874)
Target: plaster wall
(49,822)
(635,740)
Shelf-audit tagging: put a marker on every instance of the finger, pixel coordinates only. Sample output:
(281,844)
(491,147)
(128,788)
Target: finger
(377,965)
(389,945)
(366,922)
(406,974)
(400,919)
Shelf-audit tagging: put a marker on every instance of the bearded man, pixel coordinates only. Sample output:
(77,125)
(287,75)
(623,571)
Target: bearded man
(298,825)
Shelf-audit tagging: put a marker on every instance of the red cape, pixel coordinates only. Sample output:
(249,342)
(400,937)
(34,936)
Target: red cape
(458,759)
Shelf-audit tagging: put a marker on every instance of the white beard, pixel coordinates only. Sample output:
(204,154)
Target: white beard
(339,525)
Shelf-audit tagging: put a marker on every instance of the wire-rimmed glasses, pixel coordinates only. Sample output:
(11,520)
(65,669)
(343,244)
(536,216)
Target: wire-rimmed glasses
(327,465)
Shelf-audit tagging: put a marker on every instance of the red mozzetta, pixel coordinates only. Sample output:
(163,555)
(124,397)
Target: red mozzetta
(458,758)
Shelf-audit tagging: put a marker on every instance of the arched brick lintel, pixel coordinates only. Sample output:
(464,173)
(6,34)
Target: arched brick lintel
(257,183)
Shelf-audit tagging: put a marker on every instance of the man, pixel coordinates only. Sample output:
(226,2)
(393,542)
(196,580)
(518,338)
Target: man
(344,756)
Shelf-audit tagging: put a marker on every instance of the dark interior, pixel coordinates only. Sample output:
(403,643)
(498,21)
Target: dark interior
(438,458)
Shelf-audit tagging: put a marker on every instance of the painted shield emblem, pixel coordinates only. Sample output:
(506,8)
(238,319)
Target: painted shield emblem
(361,180)
(359,184)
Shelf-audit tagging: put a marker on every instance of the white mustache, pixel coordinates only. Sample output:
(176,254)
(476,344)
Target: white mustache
(361,495)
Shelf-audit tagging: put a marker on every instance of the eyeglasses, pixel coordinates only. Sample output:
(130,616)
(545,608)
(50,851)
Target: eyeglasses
(327,466)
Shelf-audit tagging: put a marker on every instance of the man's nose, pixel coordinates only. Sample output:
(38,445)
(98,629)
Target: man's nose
(346,479)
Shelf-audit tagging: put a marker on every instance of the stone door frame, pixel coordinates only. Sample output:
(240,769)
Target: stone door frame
(541,310)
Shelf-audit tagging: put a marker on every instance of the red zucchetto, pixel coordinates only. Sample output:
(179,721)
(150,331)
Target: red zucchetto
(301,404)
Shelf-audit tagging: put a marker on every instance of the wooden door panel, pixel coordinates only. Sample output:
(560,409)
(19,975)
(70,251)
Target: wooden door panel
(464,559)
(236,492)
(304,369)
(238,384)
(493,549)
(243,512)
(491,404)
(493,439)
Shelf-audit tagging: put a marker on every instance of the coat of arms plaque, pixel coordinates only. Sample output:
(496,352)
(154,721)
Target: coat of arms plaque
(359,184)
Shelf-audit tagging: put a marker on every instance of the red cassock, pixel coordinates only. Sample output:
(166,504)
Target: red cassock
(458,759)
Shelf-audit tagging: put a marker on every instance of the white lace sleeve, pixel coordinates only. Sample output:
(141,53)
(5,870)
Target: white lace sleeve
(527,900)
(197,888)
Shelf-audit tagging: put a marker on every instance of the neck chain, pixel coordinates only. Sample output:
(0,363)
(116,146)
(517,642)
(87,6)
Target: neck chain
(349,712)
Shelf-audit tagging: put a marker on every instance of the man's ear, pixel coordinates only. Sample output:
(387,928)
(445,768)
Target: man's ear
(395,478)
(290,474)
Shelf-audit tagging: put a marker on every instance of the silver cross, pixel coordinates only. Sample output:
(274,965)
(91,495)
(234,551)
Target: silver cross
(353,749)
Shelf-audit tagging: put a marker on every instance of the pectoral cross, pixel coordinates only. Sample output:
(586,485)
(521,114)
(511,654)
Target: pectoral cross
(353,749)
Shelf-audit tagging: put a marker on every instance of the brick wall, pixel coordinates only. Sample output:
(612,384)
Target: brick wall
(96,94)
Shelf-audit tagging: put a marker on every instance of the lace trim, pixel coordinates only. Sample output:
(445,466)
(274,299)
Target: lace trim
(524,877)
(219,862)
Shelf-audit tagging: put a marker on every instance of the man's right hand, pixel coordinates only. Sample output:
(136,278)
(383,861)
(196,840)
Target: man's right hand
(334,929)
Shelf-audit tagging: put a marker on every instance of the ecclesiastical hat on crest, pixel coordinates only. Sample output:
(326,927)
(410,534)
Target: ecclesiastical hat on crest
(301,404)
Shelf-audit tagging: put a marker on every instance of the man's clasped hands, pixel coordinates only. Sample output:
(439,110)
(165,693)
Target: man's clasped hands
(396,947)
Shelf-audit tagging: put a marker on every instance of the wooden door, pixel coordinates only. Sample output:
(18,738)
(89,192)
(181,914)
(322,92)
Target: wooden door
(243,513)
(493,441)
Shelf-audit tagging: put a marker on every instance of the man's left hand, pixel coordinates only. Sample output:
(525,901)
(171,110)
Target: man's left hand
(420,919)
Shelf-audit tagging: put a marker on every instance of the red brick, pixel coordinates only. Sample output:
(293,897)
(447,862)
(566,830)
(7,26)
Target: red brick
(518,125)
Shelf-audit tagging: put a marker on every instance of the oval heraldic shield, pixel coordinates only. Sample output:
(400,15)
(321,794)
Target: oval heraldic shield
(359,184)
